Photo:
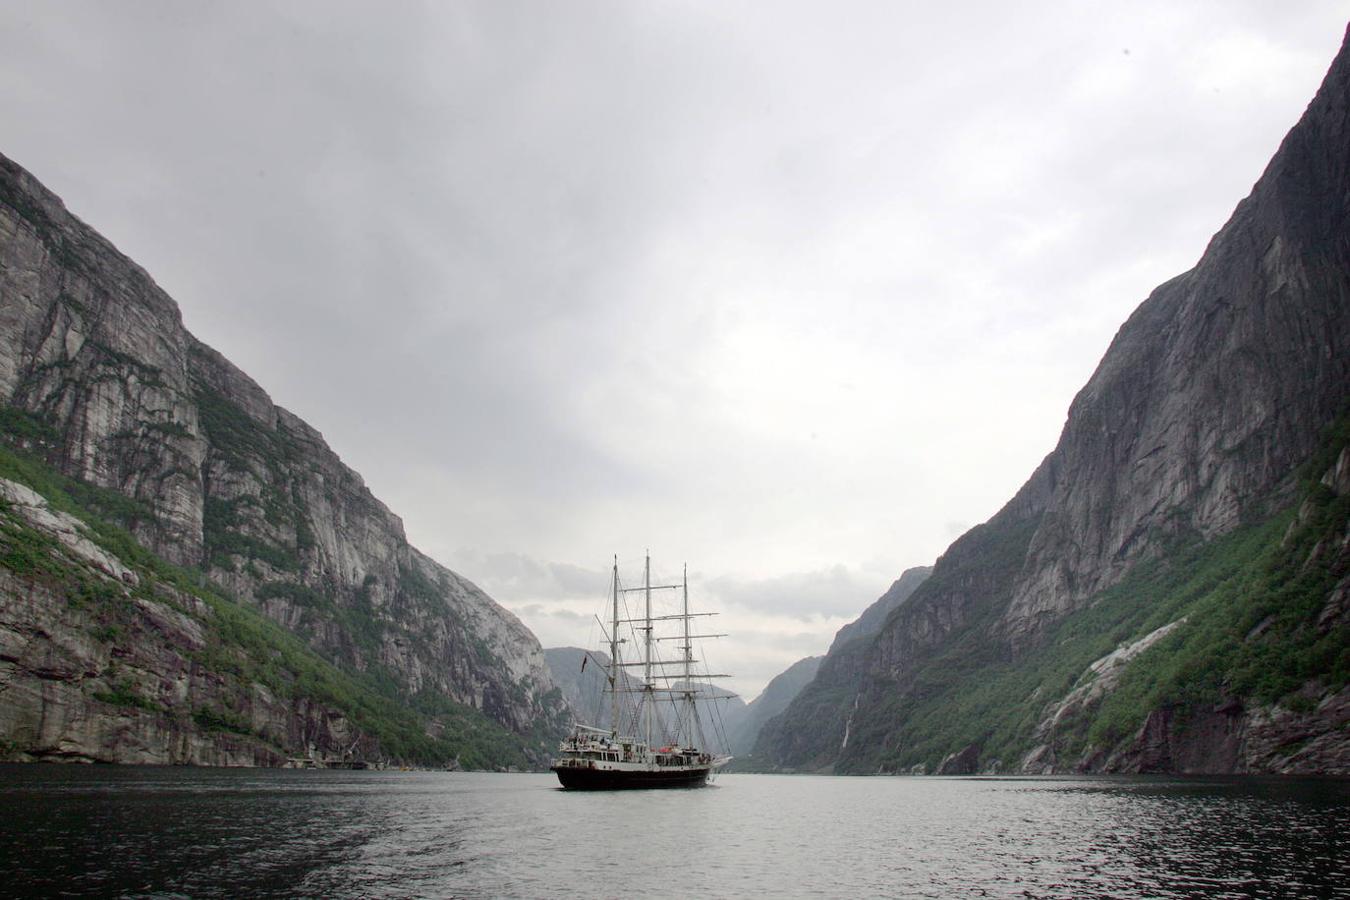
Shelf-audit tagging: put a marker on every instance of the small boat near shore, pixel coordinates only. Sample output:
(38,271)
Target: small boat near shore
(660,749)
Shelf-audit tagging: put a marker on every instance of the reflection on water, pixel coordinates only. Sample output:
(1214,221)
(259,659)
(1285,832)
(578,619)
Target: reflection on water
(212,832)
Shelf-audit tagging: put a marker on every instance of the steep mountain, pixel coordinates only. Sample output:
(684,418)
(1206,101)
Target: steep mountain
(1167,591)
(103,386)
(583,688)
(777,694)
(833,679)
(874,617)
(784,688)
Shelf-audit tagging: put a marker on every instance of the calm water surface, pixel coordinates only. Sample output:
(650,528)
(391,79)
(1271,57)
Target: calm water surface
(226,833)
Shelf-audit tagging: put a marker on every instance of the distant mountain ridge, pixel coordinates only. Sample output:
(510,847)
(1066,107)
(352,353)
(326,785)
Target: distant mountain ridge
(784,688)
(584,686)
(100,381)
(777,694)
(874,617)
(1183,548)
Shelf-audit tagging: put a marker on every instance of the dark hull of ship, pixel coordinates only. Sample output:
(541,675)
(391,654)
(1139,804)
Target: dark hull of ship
(574,778)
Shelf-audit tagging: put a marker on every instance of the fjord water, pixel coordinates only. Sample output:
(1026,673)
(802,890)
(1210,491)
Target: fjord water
(217,832)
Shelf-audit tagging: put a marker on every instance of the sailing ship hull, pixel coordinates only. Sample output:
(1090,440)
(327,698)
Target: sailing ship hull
(576,778)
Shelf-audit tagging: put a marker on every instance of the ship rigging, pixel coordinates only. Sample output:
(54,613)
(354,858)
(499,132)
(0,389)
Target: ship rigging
(592,757)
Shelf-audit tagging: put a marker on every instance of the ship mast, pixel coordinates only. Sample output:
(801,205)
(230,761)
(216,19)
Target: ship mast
(689,709)
(614,667)
(650,700)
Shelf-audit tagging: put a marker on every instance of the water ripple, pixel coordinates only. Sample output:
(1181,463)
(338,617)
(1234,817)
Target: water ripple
(225,833)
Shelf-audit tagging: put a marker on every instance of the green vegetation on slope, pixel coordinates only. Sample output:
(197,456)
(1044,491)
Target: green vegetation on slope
(1251,599)
(969,587)
(244,445)
(1253,635)
(242,644)
(985,561)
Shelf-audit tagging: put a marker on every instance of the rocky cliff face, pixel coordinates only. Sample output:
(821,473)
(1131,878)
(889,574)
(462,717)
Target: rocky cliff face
(1212,394)
(98,663)
(1233,731)
(1215,389)
(226,481)
(583,688)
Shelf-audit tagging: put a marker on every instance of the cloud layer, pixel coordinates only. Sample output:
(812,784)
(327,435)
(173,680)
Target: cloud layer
(793,291)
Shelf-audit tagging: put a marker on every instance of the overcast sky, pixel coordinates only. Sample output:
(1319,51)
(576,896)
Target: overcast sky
(794,292)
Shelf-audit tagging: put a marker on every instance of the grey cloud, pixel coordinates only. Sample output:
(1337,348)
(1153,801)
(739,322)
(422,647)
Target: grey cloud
(516,576)
(832,592)
(536,611)
(557,278)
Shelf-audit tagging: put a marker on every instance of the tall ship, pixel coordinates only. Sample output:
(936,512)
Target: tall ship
(655,737)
